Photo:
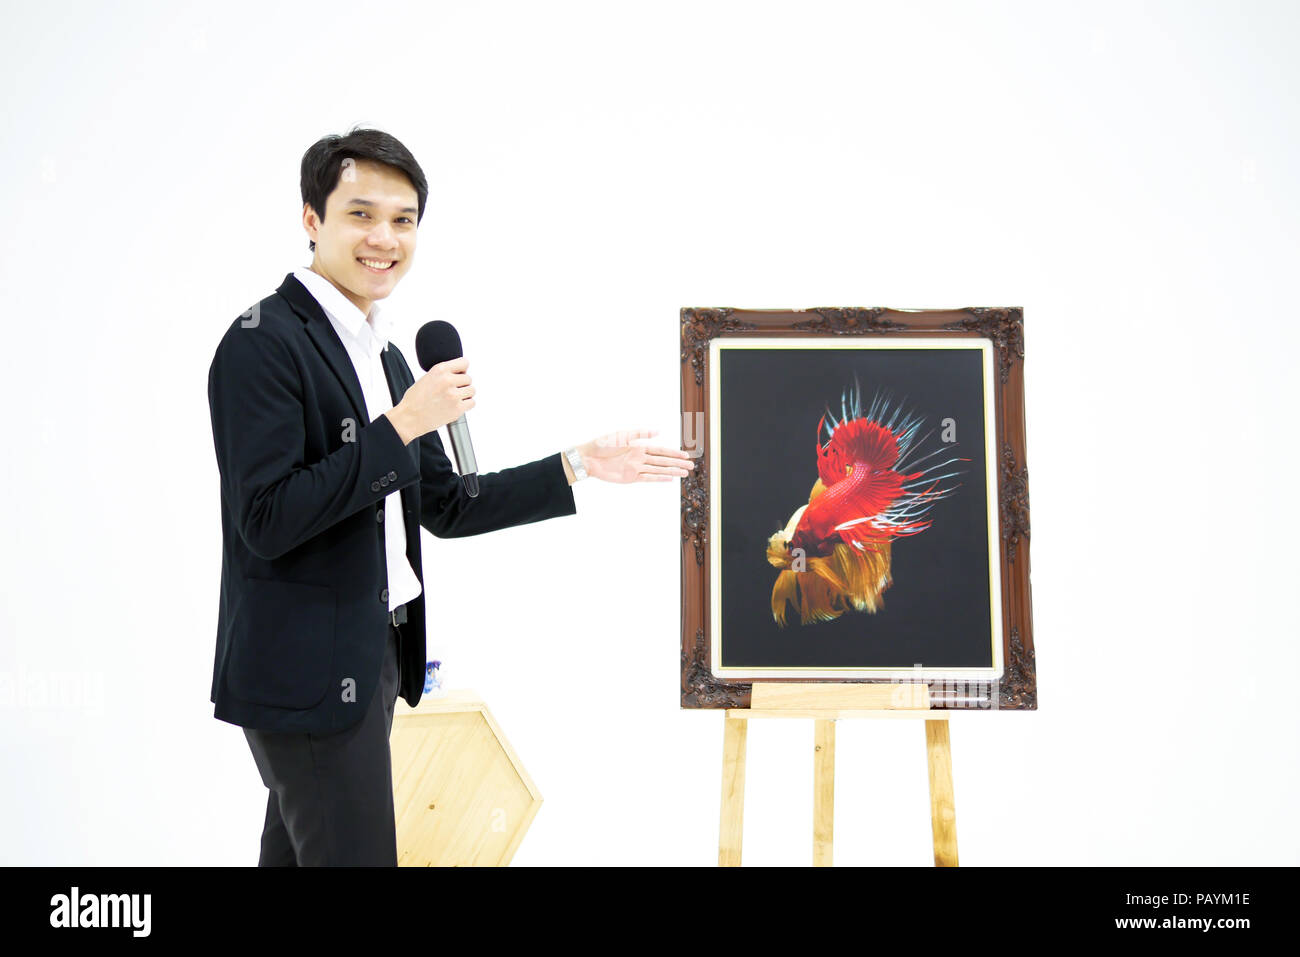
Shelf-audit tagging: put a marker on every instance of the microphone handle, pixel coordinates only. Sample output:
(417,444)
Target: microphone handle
(463,449)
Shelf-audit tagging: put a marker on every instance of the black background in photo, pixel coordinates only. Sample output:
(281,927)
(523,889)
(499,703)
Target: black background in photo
(936,612)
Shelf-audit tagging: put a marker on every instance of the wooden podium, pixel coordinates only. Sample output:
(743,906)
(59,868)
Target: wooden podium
(460,794)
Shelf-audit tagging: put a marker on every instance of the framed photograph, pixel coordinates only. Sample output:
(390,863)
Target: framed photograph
(859,507)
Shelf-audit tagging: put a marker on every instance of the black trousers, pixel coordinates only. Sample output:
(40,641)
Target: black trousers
(331,796)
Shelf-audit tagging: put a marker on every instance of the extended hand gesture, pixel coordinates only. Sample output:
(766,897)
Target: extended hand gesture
(627,457)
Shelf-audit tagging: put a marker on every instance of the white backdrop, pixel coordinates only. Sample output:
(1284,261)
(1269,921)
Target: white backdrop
(1126,175)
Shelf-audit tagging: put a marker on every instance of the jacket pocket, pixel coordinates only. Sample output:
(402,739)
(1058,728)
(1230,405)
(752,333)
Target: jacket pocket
(282,643)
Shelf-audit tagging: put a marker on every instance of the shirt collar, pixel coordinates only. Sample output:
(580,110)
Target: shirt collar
(344,310)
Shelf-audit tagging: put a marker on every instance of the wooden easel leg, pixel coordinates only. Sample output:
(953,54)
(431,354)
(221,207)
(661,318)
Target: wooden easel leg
(732,823)
(943,813)
(823,792)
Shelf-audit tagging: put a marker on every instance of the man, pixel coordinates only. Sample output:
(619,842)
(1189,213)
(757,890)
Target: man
(330,463)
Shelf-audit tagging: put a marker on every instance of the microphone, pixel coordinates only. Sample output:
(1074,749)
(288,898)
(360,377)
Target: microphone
(436,342)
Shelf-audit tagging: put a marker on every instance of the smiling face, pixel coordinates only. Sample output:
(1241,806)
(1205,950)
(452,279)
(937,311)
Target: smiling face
(371,216)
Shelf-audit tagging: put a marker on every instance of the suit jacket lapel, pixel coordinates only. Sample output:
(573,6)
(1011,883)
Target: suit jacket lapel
(398,382)
(327,341)
(393,373)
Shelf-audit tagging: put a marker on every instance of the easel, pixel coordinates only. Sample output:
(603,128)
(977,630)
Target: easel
(825,704)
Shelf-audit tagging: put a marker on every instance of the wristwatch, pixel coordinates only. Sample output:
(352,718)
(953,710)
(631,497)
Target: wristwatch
(575,462)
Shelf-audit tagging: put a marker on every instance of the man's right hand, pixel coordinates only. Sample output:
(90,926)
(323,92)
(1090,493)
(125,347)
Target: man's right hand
(441,395)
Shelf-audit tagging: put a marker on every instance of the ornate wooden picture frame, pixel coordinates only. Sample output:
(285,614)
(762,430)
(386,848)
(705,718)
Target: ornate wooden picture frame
(914,569)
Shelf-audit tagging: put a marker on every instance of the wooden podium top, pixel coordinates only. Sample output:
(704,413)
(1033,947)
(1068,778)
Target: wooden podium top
(455,700)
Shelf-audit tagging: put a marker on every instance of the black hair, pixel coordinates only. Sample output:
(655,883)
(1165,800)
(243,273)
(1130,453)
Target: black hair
(323,163)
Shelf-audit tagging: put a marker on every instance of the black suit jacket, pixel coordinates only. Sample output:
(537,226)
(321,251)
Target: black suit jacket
(303,616)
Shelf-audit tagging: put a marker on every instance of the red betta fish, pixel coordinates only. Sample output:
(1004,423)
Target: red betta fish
(835,551)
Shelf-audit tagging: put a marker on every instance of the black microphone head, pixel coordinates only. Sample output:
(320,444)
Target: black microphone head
(436,342)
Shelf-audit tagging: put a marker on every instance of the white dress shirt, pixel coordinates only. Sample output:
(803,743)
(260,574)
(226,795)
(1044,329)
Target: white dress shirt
(364,338)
